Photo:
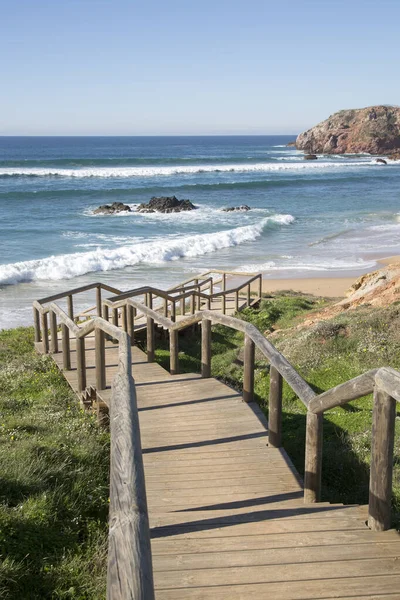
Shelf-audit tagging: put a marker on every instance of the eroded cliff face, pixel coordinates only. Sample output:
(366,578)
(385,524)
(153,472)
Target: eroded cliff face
(375,129)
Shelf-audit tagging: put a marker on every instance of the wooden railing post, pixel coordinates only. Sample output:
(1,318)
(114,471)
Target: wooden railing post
(223,304)
(53,332)
(81,363)
(260,286)
(192,304)
(36,324)
(173,311)
(66,348)
(115,316)
(131,323)
(381,474)
(275,408)
(70,305)
(224,282)
(248,295)
(183,301)
(150,339)
(106,313)
(248,370)
(166,307)
(237,301)
(100,358)
(45,333)
(173,352)
(98,300)
(206,348)
(124,318)
(313,463)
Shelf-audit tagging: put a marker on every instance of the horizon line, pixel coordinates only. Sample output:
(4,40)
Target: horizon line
(54,135)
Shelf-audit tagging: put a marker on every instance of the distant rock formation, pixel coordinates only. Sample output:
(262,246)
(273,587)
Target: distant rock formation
(375,130)
(111,209)
(166,204)
(243,208)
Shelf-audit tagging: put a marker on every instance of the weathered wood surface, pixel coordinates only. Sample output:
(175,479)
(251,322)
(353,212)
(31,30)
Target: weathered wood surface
(226,510)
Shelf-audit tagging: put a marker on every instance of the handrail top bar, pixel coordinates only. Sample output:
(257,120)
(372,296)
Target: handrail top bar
(150,289)
(94,323)
(388,380)
(359,386)
(218,272)
(164,294)
(83,288)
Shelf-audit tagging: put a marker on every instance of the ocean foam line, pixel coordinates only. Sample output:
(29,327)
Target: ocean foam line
(125,172)
(68,266)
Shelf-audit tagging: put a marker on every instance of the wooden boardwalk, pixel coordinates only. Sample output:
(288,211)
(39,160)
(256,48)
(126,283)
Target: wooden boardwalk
(227,516)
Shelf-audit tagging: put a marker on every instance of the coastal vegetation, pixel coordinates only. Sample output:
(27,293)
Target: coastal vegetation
(54,481)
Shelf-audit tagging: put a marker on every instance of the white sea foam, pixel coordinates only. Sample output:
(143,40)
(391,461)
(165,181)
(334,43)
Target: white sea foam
(68,266)
(160,171)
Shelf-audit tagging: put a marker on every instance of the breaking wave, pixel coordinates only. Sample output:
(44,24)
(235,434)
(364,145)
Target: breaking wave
(160,171)
(67,266)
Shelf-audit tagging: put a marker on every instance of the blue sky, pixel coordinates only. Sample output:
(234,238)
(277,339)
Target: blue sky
(148,67)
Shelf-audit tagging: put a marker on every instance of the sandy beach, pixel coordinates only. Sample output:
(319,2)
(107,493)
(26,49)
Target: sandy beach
(334,287)
(330,287)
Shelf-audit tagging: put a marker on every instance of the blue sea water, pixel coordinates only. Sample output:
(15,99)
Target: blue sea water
(330,216)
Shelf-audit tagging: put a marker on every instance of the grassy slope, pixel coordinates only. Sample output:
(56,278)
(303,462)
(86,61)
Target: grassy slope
(325,354)
(54,482)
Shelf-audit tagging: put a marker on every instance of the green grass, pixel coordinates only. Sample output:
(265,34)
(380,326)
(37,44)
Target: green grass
(325,354)
(54,481)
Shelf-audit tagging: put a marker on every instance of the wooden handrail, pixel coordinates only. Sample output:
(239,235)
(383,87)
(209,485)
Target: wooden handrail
(130,571)
(79,290)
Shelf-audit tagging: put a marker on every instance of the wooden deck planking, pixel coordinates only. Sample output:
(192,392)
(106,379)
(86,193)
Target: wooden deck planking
(226,511)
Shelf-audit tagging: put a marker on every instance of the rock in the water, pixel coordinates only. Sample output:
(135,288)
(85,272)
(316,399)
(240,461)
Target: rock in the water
(111,209)
(244,208)
(381,161)
(166,204)
(291,144)
(375,130)
(310,157)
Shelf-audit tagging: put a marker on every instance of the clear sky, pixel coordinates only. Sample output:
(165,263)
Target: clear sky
(148,67)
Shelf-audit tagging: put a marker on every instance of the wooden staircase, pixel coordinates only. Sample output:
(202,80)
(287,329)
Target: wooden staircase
(226,511)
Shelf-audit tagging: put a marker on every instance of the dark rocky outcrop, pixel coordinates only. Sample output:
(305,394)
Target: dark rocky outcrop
(381,161)
(112,209)
(166,204)
(375,130)
(310,157)
(243,208)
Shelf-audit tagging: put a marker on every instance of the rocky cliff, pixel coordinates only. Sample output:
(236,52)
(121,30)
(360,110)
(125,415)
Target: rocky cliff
(375,129)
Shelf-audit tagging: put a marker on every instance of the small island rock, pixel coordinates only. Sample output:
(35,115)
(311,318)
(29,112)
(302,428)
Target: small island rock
(111,209)
(381,161)
(244,207)
(166,204)
(375,130)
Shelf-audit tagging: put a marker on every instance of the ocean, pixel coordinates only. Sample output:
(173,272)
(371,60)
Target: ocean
(332,216)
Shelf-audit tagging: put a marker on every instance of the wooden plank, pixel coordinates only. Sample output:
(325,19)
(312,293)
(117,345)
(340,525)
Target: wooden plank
(347,587)
(286,541)
(269,574)
(281,556)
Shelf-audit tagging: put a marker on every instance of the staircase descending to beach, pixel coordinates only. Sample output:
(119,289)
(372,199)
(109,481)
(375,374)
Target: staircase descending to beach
(195,468)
